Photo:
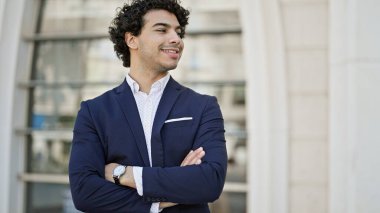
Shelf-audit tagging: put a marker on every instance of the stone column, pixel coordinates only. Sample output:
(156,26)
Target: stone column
(267,121)
(355,106)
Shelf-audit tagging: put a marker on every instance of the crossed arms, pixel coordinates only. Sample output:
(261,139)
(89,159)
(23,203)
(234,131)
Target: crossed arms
(193,158)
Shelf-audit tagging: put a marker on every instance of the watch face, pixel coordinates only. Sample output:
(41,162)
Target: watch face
(119,170)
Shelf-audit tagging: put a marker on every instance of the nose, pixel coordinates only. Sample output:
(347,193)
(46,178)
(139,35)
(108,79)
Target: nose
(174,38)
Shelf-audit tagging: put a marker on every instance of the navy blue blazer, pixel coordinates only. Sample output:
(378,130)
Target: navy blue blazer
(108,129)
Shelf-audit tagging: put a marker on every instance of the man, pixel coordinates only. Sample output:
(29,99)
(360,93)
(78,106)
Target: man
(150,144)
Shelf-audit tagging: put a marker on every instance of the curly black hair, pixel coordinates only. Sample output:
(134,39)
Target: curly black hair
(130,19)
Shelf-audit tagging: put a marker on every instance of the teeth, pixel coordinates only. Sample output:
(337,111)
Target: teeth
(170,51)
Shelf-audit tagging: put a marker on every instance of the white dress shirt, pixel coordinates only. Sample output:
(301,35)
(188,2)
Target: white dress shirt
(147,105)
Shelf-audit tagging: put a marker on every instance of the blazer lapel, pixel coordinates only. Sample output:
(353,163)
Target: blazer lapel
(128,105)
(170,95)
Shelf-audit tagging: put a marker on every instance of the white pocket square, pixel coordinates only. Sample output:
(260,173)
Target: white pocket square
(179,119)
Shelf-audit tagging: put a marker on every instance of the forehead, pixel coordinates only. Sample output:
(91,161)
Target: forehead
(160,16)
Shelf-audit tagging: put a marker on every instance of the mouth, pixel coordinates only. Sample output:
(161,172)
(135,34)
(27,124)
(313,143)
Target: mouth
(171,52)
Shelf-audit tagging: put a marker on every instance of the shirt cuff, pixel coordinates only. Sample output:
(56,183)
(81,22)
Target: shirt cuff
(155,208)
(137,175)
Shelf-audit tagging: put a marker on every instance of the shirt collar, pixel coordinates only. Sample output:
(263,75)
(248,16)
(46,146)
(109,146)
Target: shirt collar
(158,86)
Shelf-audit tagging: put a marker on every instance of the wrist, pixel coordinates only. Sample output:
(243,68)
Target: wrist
(127,179)
(118,172)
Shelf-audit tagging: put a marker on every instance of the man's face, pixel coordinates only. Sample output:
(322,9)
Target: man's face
(159,44)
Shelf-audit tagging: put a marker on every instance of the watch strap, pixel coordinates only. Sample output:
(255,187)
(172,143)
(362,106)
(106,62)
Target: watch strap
(116,179)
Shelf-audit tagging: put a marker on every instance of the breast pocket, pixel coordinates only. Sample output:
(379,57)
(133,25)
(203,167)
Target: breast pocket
(178,138)
(178,122)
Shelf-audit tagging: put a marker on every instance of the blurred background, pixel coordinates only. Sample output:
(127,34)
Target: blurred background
(298,82)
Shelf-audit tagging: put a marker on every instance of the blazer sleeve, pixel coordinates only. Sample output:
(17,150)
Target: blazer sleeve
(90,191)
(196,183)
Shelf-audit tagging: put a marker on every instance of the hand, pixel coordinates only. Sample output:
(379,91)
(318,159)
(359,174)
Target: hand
(193,158)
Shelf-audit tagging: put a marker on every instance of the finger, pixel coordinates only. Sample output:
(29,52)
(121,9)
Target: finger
(201,154)
(197,157)
(191,157)
(186,160)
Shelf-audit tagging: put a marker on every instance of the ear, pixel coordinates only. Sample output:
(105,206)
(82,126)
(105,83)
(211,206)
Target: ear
(130,40)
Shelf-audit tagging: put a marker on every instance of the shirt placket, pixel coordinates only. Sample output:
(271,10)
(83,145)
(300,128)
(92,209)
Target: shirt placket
(148,125)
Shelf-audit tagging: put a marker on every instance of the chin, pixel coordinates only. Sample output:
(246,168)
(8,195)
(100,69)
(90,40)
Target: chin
(168,67)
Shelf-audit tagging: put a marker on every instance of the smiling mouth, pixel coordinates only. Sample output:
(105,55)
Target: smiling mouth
(172,51)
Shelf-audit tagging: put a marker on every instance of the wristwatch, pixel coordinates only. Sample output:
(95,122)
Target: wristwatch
(118,172)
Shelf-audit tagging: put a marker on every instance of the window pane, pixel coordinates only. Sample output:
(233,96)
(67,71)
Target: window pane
(68,61)
(237,151)
(214,20)
(213,14)
(49,152)
(211,58)
(49,198)
(56,108)
(67,16)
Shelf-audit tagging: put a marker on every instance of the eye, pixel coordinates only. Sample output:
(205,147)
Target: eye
(161,30)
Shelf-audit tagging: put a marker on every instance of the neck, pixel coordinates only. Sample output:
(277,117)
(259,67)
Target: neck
(145,79)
